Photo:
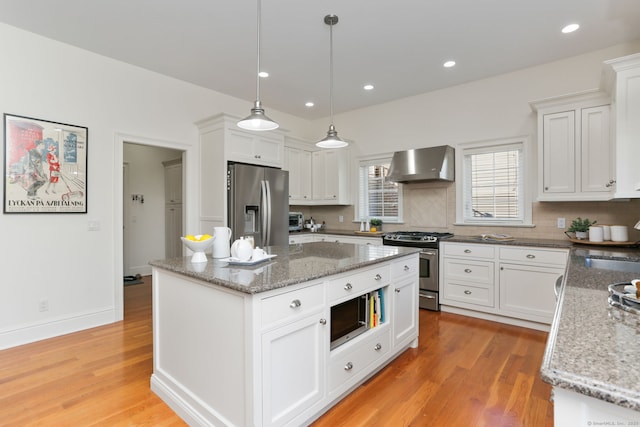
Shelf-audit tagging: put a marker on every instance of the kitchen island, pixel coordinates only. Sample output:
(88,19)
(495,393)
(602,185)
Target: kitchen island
(250,345)
(592,358)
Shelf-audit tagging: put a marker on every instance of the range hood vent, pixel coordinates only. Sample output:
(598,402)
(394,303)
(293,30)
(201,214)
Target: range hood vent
(423,164)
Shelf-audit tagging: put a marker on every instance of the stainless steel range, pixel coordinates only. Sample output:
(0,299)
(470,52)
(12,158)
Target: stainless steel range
(429,242)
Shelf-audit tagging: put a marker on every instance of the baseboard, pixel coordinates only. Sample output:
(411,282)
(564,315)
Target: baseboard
(496,318)
(25,334)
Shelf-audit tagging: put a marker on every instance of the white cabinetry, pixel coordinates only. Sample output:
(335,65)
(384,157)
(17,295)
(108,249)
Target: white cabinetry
(293,355)
(264,359)
(257,148)
(404,281)
(513,284)
(173,207)
(298,162)
(330,178)
(622,80)
(340,238)
(527,282)
(575,153)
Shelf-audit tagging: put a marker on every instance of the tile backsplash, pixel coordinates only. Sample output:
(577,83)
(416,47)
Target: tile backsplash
(432,207)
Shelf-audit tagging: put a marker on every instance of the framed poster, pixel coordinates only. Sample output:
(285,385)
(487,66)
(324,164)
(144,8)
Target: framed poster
(45,167)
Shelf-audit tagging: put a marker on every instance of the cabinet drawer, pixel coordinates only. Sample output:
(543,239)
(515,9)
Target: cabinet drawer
(345,367)
(469,270)
(534,256)
(478,295)
(359,283)
(405,267)
(292,305)
(469,250)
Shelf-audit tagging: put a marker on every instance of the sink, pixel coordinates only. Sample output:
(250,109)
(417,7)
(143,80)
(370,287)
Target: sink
(613,264)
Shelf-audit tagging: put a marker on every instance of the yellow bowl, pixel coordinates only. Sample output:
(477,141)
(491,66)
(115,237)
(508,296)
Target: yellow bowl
(198,245)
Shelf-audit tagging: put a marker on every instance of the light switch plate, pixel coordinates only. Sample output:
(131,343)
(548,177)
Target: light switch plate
(561,223)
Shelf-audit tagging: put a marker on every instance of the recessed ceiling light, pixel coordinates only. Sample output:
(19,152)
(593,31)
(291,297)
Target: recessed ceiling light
(263,74)
(309,104)
(449,64)
(368,87)
(570,28)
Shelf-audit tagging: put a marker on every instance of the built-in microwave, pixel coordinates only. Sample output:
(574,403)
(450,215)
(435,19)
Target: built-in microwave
(348,320)
(296,221)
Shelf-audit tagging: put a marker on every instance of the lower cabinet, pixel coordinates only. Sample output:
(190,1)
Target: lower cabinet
(514,284)
(405,314)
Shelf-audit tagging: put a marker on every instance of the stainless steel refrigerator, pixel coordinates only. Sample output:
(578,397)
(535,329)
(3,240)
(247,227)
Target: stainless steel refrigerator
(258,203)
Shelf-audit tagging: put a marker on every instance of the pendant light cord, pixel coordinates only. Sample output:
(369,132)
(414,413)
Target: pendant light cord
(331,73)
(258,44)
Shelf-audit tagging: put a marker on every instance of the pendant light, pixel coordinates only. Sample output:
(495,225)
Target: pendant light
(257,120)
(332,140)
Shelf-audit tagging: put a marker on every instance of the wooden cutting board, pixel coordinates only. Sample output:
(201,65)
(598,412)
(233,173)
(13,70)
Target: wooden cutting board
(369,233)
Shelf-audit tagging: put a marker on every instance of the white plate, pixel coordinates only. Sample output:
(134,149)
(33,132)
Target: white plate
(236,261)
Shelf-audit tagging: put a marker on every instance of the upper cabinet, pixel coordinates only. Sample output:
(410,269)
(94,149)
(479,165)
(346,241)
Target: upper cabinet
(298,162)
(621,78)
(575,150)
(255,148)
(316,177)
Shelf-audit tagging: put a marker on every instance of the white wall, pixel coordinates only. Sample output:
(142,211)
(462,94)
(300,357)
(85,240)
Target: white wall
(54,256)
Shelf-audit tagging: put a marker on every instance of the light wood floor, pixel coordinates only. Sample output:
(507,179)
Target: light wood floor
(466,372)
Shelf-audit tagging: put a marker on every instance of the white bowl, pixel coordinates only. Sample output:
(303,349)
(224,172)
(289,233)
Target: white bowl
(198,248)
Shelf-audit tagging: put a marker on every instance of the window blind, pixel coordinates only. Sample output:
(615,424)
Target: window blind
(378,197)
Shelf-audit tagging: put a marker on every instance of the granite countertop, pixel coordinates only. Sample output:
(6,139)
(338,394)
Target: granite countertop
(594,348)
(546,243)
(293,264)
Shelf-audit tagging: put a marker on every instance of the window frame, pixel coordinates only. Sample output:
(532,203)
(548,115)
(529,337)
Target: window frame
(463,150)
(359,214)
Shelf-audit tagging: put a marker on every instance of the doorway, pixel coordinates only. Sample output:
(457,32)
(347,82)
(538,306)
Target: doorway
(143,222)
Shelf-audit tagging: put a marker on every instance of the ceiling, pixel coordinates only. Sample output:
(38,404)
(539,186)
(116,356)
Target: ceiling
(398,46)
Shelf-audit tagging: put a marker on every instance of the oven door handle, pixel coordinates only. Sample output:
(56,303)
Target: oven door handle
(431,253)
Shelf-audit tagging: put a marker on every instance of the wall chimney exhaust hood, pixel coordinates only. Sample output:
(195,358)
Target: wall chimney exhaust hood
(423,164)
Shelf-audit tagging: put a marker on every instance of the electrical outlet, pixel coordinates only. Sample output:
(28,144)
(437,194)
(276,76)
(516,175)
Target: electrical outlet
(341,218)
(561,223)
(43,304)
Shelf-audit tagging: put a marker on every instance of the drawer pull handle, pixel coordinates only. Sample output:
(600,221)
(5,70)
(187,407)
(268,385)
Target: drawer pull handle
(378,347)
(531,256)
(348,366)
(295,303)
(397,290)
(378,277)
(323,321)
(467,270)
(348,287)
(467,292)
(467,251)
(406,268)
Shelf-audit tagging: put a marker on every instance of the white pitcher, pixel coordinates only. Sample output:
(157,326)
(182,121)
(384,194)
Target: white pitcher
(222,241)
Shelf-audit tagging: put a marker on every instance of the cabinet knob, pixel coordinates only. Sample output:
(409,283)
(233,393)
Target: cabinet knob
(295,303)
(397,290)
(323,321)
(348,366)
(378,346)
(257,156)
(611,182)
(467,251)
(467,292)
(467,270)
(546,188)
(406,268)
(378,277)
(531,256)
(348,287)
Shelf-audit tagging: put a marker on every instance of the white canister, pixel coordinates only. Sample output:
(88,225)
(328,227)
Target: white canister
(596,234)
(606,232)
(619,233)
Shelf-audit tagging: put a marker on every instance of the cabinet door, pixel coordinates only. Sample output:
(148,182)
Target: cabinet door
(528,291)
(405,310)
(559,153)
(293,369)
(298,163)
(596,150)
(239,146)
(173,230)
(305,175)
(318,185)
(173,183)
(332,175)
(267,151)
